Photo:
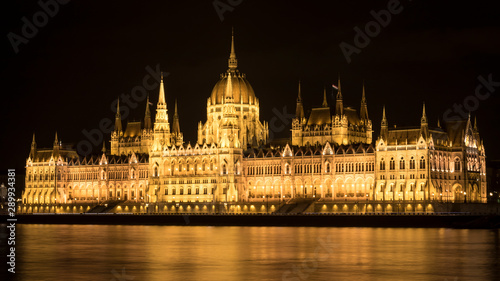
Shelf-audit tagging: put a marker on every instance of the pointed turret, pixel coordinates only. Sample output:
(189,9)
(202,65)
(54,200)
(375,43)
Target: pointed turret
(161,119)
(56,141)
(439,124)
(384,127)
(103,146)
(118,118)
(33,148)
(161,97)
(177,137)
(299,111)
(339,105)
(176,128)
(325,101)
(424,127)
(424,116)
(475,123)
(364,107)
(232,62)
(55,150)
(147,117)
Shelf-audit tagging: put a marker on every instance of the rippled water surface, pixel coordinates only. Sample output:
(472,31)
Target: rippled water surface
(101,252)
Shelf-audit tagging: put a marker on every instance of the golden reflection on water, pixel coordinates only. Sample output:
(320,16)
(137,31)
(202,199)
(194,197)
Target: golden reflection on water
(102,252)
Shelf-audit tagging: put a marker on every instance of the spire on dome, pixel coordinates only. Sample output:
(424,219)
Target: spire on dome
(232,62)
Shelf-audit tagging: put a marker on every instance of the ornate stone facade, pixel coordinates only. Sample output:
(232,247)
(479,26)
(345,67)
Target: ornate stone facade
(330,156)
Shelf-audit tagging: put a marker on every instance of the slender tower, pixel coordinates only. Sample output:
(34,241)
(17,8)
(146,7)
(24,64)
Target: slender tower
(424,126)
(339,105)
(384,127)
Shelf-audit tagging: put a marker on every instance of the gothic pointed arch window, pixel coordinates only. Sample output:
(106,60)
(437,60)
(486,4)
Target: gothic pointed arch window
(392,164)
(412,163)
(382,164)
(402,164)
(155,171)
(457,164)
(287,168)
(224,169)
(327,167)
(422,162)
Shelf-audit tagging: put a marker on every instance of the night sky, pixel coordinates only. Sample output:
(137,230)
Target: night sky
(66,77)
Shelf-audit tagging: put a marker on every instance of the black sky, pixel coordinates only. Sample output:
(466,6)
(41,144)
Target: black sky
(67,76)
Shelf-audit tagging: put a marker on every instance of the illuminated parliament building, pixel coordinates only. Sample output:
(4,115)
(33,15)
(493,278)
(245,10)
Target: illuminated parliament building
(330,156)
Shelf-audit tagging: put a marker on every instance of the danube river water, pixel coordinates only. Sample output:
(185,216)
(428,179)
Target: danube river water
(109,252)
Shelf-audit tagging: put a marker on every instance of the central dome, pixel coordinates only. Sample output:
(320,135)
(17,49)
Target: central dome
(233,81)
(242,91)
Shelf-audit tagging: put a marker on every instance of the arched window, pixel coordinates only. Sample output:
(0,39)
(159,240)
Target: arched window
(457,165)
(412,163)
(392,164)
(402,164)
(327,167)
(422,162)
(224,169)
(382,164)
(155,174)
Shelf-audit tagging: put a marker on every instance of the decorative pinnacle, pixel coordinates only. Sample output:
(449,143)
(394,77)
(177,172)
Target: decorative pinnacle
(363,97)
(325,102)
(299,97)
(424,116)
(339,91)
